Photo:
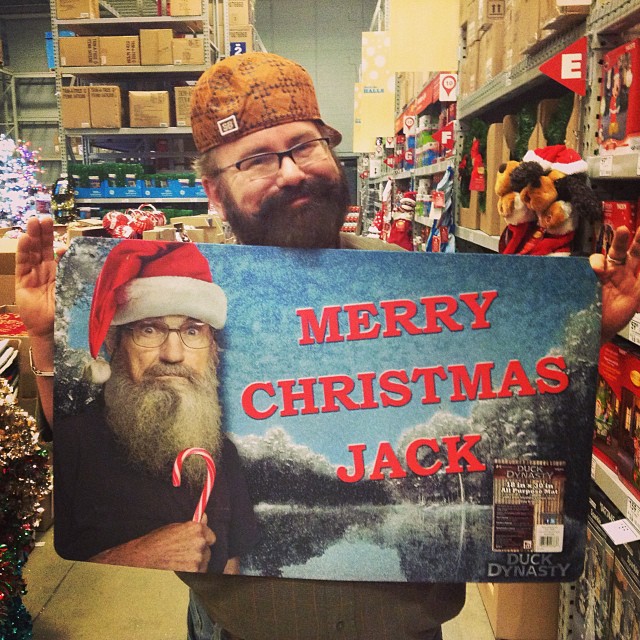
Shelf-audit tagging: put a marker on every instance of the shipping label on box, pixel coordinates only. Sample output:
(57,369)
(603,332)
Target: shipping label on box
(79,51)
(149,109)
(75,107)
(119,50)
(105,103)
(188,51)
(183,105)
(73,9)
(156,46)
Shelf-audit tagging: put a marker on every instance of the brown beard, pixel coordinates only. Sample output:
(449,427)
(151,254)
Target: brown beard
(154,420)
(278,224)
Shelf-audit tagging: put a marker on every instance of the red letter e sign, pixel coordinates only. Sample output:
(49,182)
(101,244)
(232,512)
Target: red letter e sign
(569,67)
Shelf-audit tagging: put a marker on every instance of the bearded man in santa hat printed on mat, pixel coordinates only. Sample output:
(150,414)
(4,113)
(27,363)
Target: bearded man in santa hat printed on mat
(155,310)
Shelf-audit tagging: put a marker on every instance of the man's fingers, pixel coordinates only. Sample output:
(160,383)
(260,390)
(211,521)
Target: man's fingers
(634,251)
(618,251)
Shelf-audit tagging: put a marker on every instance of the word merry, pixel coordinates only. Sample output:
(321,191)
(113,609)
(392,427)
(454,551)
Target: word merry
(396,317)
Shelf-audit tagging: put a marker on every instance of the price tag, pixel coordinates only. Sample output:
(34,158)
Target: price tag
(621,531)
(633,513)
(593,467)
(606,166)
(634,329)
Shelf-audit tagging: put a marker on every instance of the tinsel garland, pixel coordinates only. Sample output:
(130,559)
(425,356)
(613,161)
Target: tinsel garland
(24,480)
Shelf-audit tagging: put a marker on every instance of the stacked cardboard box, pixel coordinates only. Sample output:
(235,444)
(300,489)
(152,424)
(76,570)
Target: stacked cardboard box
(80,51)
(119,50)
(188,50)
(149,109)
(156,46)
(96,106)
(183,105)
(72,9)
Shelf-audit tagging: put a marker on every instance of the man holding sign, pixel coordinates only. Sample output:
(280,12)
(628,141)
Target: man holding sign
(267,166)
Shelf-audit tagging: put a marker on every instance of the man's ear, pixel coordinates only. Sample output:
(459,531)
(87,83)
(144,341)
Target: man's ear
(210,186)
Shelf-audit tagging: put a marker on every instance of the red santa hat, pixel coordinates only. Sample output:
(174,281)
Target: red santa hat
(148,278)
(557,156)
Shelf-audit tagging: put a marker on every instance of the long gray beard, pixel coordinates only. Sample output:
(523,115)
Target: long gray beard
(154,420)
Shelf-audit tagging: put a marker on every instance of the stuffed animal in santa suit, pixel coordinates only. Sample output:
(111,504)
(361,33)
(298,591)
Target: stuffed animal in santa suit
(552,198)
(401,231)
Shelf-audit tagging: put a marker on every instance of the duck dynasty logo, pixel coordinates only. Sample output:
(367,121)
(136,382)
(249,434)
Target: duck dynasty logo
(528,565)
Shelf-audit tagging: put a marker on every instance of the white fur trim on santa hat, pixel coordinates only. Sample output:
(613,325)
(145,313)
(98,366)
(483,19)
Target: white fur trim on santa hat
(171,295)
(532,156)
(578,166)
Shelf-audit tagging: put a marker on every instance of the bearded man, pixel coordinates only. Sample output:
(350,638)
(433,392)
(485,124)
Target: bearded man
(156,309)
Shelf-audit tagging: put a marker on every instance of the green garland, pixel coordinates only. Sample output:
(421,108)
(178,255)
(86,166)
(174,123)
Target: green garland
(556,131)
(526,124)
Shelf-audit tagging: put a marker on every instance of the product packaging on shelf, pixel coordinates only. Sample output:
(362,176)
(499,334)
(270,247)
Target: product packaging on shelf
(620,100)
(149,109)
(105,104)
(76,9)
(241,39)
(75,107)
(616,213)
(628,432)
(608,398)
(156,46)
(186,7)
(79,51)
(119,51)
(625,604)
(188,51)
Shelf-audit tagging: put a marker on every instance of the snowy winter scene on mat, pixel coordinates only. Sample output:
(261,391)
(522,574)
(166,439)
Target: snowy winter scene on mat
(392,416)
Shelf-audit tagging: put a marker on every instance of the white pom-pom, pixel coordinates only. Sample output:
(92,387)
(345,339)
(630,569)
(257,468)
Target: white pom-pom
(98,371)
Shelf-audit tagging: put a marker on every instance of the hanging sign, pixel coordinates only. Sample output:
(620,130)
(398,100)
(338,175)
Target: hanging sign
(409,125)
(569,67)
(445,136)
(448,87)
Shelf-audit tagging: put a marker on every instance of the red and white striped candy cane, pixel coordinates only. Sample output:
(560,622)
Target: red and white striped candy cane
(208,485)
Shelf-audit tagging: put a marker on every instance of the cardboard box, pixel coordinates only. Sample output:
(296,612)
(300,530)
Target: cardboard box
(75,107)
(80,51)
(182,97)
(7,270)
(186,7)
(72,9)
(491,54)
(105,104)
(491,221)
(156,46)
(521,611)
(241,12)
(149,109)
(241,39)
(188,51)
(116,51)
(468,75)
(470,216)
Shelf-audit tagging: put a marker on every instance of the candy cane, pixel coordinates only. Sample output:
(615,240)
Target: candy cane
(208,485)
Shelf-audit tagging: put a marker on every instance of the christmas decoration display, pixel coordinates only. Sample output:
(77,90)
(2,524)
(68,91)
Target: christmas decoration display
(133,222)
(19,170)
(25,481)
(441,238)
(545,199)
(401,231)
(350,224)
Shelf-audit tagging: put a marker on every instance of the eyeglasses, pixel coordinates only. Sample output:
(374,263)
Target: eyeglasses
(265,165)
(154,333)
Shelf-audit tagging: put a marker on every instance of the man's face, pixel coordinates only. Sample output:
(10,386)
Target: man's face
(160,400)
(297,206)
(165,362)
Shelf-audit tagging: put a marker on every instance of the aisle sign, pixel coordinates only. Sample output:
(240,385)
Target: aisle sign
(434,425)
(569,67)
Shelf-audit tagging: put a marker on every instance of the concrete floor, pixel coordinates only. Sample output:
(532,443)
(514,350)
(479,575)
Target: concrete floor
(84,601)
